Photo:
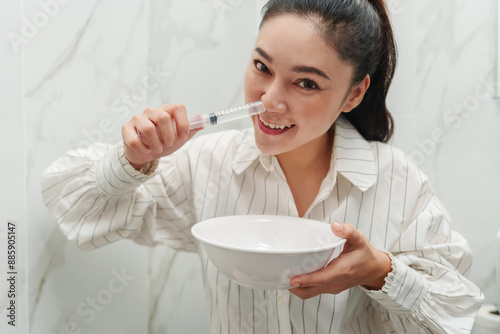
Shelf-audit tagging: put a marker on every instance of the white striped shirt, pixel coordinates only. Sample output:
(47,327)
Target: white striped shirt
(98,198)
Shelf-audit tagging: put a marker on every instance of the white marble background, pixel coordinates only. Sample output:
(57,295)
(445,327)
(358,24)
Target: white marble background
(74,71)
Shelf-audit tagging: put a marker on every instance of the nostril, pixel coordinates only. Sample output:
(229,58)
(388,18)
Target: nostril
(274,106)
(280,107)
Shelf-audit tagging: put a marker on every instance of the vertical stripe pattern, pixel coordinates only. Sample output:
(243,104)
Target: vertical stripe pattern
(98,198)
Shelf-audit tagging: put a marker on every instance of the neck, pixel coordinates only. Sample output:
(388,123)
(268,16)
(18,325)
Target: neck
(314,156)
(305,169)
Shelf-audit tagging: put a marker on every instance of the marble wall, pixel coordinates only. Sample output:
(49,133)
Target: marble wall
(448,121)
(74,71)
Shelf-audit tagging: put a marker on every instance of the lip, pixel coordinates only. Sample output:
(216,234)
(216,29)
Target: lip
(270,131)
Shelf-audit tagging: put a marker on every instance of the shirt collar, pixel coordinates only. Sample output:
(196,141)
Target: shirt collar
(246,153)
(352,155)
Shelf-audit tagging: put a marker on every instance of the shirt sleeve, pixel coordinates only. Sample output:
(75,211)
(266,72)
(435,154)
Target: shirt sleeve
(97,198)
(426,291)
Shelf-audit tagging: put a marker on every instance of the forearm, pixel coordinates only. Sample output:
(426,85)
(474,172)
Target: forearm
(98,198)
(91,194)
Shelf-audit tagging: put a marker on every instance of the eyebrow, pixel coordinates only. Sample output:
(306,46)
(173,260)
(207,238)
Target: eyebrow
(309,69)
(298,69)
(264,54)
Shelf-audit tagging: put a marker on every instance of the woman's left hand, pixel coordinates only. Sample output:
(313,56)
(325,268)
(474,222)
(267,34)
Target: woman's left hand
(359,264)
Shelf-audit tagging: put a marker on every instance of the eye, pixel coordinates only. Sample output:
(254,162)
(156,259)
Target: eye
(308,84)
(260,66)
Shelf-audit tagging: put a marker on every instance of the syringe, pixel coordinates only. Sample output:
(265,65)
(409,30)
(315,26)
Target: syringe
(226,115)
(221,116)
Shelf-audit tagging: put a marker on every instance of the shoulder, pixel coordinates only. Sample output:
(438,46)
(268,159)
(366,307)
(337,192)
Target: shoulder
(395,165)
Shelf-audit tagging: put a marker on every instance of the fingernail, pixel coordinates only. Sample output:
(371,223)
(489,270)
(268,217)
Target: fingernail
(295,285)
(159,150)
(184,135)
(338,227)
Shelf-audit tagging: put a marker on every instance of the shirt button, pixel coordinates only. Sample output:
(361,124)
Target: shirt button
(282,299)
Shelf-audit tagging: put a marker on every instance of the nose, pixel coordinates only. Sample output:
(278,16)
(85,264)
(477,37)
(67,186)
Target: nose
(273,98)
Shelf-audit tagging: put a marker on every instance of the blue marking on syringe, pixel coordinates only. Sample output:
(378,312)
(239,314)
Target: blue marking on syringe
(213,118)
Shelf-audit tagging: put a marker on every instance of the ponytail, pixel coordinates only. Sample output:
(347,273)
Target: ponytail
(360,32)
(372,117)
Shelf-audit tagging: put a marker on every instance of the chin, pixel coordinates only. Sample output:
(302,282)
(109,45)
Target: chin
(269,149)
(268,144)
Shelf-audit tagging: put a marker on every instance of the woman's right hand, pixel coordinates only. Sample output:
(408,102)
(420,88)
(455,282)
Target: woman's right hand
(151,135)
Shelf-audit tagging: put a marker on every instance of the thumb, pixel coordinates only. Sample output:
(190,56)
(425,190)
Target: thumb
(338,229)
(192,133)
(346,231)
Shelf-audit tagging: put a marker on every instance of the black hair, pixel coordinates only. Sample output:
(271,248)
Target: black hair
(360,32)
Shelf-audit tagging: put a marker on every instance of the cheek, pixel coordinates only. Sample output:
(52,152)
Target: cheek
(249,82)
(253,86)
(323,121)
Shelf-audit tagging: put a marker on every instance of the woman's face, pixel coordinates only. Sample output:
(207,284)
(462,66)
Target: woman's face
(302,82)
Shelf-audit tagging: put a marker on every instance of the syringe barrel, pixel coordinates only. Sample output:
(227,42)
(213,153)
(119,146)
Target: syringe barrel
(226,115)
(236,113)
(199,122)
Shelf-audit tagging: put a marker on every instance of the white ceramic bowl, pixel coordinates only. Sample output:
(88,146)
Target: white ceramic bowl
(265,252)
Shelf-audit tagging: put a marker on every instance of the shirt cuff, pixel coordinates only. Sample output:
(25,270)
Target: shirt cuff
(403,290)
(149,168)
(116,176)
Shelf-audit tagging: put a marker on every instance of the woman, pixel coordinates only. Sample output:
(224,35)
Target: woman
(322,70)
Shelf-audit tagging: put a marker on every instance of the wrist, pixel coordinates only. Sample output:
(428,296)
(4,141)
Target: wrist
(145,168)
(138,167)
(149,168)
(384,267)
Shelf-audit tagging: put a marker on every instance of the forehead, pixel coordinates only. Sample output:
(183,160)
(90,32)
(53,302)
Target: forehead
(297,40)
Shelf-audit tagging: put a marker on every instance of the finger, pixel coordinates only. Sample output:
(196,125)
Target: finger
(172,123)
(132,140)
(150,134)
(335,271)
(335,268)
(306,293)
(164,126)
(179,115)
(193,132)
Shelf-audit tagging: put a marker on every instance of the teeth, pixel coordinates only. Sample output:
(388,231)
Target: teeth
(274,126)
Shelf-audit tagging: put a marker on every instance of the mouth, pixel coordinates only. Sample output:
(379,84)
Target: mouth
(273,128)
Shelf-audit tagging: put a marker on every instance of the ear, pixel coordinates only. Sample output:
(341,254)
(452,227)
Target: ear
(356,94)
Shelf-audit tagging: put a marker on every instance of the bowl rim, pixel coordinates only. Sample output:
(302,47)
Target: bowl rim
(196,227)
